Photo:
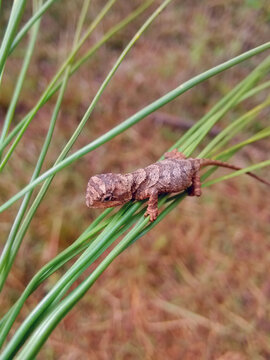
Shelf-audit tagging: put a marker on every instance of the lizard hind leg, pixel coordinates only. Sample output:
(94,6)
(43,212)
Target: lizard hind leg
(195,188)
(152,208)
(175,154)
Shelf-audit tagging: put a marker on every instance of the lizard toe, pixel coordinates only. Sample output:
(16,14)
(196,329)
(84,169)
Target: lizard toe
(197,192)
(153,214)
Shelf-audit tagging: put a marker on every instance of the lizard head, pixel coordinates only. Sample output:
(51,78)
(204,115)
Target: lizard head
(108,190)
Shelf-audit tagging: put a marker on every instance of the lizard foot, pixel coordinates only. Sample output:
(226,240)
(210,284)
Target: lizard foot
(152,213)
(197,192)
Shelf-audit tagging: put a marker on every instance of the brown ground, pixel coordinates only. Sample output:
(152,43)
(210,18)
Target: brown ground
(197,286)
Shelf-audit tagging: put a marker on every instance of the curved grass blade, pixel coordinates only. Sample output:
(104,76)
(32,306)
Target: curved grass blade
(15,237)
(121,25)
(148,22)
(30,344)
(72,274)
(233,128)
(260,135)
(20,234)
(237,173)
(168,209)
(134,119)
(51,267)
(30,23)
(14,19)
(20,81)
(54,81)
(7,259)
(32,347)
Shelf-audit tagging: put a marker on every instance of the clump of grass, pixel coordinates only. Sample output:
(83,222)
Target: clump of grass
(128,222)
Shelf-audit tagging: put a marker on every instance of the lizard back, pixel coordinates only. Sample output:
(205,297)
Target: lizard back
(169,175)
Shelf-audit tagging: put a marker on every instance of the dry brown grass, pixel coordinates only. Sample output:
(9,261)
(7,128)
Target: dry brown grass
(197,286)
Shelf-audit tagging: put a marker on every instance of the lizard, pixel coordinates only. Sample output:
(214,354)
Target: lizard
(174,174)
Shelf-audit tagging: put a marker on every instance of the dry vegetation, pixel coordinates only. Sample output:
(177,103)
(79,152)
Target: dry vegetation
(197,286)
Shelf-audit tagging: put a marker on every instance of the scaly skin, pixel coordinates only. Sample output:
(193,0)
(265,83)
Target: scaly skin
(174,174)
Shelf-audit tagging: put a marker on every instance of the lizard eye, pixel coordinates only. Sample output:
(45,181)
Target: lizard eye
(107,197)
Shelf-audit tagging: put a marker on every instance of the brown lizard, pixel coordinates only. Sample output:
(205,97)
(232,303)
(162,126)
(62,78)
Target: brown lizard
(174,174)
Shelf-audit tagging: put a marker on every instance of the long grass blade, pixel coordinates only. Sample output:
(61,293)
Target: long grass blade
(136,118)
(14,19)
(19,235)
(118,27)
(58,75)
(238,172)
(30,23)
(20,81)
(16,235)
(233,128)
(260,135)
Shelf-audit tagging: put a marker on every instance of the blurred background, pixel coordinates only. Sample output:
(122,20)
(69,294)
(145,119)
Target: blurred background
(197,286)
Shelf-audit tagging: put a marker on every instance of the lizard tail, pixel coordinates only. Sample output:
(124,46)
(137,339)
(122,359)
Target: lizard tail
(208,162)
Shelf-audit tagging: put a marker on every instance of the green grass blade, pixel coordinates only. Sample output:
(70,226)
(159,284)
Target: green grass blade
(232,99)
(58,75)
(138,235)
(253,76)
(122,24)
(237,173)
(14,19)
(47,326)
(16,235)
(136,118)
(49,269)
(148,22)
(72,273)
(225,135)
(45,186)
(14,240)
(118,27)
(20,81)
(30,23)
(260,135)
(44,329)
(103,232)
(256,90)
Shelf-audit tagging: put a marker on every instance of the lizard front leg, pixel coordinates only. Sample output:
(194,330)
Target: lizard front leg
(195,188)
(152,208)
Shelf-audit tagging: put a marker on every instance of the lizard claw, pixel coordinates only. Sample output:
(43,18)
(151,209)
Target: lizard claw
(153,214)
